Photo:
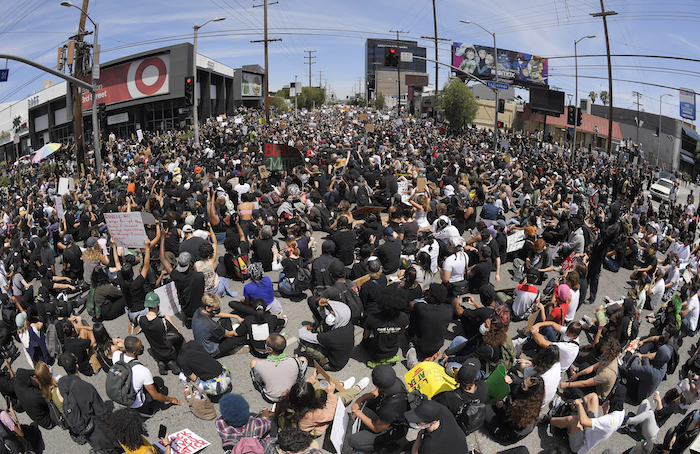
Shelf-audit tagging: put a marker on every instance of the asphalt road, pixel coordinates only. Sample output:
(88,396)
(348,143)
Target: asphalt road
(177,418)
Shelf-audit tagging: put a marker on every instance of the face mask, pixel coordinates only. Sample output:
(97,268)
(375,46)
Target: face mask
(482,329)
(216,311)
(417,426)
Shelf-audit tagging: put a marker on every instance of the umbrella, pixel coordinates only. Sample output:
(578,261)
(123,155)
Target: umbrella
(429,378)
(45,151)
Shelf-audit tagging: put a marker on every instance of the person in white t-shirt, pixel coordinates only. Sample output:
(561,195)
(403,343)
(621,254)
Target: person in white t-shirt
(430,245)
(572,279)
(568,342)
(546,365)
(585,430)
(656,289)
(690,313)
(454,266)
(526,294)
(150,401)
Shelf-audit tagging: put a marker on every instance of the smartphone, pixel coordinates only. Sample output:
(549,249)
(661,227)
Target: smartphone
(162,431)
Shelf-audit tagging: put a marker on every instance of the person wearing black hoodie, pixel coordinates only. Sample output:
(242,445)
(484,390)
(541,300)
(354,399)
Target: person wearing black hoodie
(30,398)
(89,405)
(609,231)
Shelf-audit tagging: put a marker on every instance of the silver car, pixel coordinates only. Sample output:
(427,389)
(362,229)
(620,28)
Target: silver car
(661,190)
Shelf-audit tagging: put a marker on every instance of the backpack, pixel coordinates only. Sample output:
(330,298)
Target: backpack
(326,217)
(415,398)
(508,356)
(362,196)
(118,382)
(57,417)
(675,359)
(470,415)
(9,444)
(93,309)
(503,313)
(270,218)
(626,226)
(248,445)
(78,423)
(53,342)
(230,207)
(303,279)
(350,297)
(236,266)
(589,236)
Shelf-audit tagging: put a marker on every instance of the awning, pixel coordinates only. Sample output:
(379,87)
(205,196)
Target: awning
(692,134)
(687,159)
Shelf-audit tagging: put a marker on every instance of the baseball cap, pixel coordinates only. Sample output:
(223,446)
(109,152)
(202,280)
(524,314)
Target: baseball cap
(67,238)
(189,220)
(20,319)
(152,300)
(563,292)
(384,378)
(457,241)
(337,269)
(389,233)
(183,261)
(501,223)
(90,242)
(427,411)
(467,373)
(187,228)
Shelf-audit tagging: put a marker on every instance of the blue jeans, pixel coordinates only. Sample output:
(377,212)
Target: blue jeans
(450,364)
(220,237)
(285,287)
(133,316)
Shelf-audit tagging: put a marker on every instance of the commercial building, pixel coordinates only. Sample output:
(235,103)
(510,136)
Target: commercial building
(142,91)
(380,77)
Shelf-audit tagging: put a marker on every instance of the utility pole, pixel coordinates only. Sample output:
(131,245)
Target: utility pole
(311,62)
(398,67)
(320,77)
(639,120)
(78,132)
(437,86)
(604,14)
(267,72)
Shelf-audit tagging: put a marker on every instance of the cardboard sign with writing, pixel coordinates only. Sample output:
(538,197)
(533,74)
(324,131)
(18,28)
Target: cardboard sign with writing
(263,172)
(59,207)
(238,120)
(369,127)
(282,157)
(340,425)
(363,117)
(516,241)
(569,264)
(139,135)
(403,190)
(184,442)
(420,187)
(169,302)
(126,229)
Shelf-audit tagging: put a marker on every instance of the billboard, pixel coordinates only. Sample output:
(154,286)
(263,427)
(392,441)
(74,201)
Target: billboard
(550,102)
(513,67)
(251,84)
(148,76)
(687,102)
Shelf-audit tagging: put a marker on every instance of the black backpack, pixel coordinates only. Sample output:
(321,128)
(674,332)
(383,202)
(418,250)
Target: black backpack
(471,414)
(303,279)
(362,196)
(9,443)
(351,298)
(80,425)
(326,217)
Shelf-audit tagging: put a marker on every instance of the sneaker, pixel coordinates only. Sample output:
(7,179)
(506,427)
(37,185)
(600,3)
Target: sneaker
(174,367)
(286,321)
(362,384)
(411,357)
(162,368)
(589,320)
(136,329)
(240,349)
(349,383)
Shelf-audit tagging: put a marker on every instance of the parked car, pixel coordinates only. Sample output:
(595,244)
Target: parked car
(661,190)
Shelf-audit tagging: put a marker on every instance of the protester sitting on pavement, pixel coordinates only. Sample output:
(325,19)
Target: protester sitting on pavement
(217,337)
(330,341)
(236,422)
(213,283)
(259,287)
(131,434)
(649,418)
(606,372)
(29,395)
(438,431)
(198,367)
(470,391)
(134,288)
(383,330)
(645,373)
(516,416)
(275,375)
(546,364)
(290,264)
(105,345)
(155,327)
(428,324)
(257,327)
(151,392)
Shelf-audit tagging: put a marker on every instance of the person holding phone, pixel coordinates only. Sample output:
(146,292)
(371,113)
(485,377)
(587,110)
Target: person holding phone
(129,429)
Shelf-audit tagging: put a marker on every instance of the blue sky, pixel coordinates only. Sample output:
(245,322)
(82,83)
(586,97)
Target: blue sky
(337,30)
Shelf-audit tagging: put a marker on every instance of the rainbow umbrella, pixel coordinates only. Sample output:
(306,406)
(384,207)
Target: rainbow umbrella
(46,151)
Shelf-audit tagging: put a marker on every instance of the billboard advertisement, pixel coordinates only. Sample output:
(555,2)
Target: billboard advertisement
(513,67)
(251,84)
(137,79)
(687,101)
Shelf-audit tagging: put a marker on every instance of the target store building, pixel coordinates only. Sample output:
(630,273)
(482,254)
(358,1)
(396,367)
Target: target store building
(146,91)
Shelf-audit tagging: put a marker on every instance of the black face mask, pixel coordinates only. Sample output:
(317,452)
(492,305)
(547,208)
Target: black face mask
(216,311)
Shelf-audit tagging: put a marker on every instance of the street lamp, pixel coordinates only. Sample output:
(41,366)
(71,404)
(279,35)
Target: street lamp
(194,70)
(495,90)
(658,148)
(576,96)
(95,75)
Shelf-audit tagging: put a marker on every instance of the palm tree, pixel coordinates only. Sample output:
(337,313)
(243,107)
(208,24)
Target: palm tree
(604,97)
(593,96)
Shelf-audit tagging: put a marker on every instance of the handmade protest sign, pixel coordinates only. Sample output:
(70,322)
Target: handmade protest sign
(63,186)
(184,442)
(59,207)
(169,303)
(282,157)
(126,229)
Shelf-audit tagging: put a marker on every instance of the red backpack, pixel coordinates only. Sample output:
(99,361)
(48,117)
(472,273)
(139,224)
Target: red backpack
(503,313)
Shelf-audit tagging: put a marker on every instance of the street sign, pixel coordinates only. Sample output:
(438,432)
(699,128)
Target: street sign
(497,85)
(95,71)
(3,74)
(407,57)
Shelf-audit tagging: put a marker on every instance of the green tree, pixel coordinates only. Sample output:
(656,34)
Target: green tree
(379,102)
(283,93)
(311,96)
(593,95)
(459,104)
(279,104)
(604,97)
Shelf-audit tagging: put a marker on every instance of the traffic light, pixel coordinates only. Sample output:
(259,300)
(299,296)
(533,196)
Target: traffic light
(102,112)
(570,115)
(501,105)
(189,91)
(500,124)
(579,116)
(391,57)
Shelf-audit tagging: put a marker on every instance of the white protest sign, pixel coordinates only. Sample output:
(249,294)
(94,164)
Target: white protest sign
(139,135)
(59,207)
(219,119)
(71,184)
(385,117)
(516,241)
(184,442)
(403,190)
(63,186)
(169,303)
(238,120)
(399,122)
(126,229)
(340,424)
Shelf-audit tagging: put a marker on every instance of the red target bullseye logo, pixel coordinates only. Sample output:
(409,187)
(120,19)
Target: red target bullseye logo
(162,74)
